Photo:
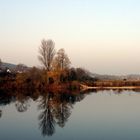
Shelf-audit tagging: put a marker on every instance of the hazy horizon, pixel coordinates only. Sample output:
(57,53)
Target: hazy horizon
(101,36)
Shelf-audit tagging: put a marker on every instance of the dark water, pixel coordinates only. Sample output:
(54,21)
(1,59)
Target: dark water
(102,115)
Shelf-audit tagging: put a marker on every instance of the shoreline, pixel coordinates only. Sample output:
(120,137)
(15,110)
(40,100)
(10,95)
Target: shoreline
(85,87)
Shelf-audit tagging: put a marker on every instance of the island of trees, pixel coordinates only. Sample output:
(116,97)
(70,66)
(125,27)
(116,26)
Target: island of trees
(56,74)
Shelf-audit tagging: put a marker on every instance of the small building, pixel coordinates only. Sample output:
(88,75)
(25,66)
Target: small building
(8,71)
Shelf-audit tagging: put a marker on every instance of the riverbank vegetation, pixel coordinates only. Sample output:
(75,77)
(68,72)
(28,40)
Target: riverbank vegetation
(56,73)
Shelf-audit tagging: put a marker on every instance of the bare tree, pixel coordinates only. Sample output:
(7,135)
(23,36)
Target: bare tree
(47,52)
(61,60)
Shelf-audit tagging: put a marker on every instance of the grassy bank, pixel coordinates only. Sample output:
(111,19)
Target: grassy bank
(112,84)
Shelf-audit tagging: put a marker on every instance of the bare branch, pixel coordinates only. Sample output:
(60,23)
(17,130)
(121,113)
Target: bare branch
(61,60)
(47,52)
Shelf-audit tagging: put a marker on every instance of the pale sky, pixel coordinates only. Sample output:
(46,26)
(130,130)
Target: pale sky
(102,36)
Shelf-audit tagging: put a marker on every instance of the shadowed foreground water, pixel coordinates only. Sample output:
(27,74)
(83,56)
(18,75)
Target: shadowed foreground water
(102,115)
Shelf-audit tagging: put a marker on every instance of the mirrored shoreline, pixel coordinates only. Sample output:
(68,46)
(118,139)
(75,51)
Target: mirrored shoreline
(54,110)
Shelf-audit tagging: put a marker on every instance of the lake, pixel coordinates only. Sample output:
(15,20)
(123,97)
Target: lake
(94,115)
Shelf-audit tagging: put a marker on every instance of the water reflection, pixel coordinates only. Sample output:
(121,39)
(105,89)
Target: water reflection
(22,103)
(63,110)
(46,117)
(0,113)
(5,99)
(54,108)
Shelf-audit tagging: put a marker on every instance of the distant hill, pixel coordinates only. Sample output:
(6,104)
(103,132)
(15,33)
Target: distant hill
(94,75)
(8,65)
(14,67)
(133,77)
(114,77)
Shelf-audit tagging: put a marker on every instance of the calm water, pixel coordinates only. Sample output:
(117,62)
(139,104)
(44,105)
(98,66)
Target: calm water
(102,115)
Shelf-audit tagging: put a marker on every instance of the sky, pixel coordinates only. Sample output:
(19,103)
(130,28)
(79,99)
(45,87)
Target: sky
(99,35)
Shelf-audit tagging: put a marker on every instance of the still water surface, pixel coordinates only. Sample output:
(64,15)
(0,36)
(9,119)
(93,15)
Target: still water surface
(102,115)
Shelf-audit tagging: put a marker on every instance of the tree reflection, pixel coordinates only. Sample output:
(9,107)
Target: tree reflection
(46,118)
(22,106)
(23,103)
(0,113)
(63,109)
(62,114)
(55,108)
(5,99)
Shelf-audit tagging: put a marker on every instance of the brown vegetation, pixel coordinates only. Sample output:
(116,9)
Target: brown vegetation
(56,74)
(116,83)
(112,84)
